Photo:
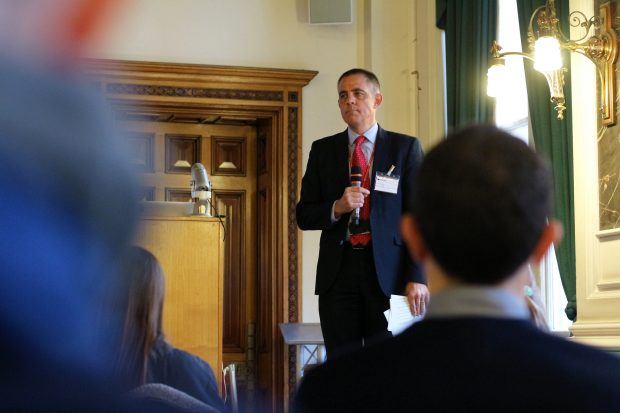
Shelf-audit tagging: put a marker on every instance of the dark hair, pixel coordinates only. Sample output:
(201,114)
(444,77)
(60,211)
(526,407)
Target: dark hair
(370,77)
(481,200)
(143,298)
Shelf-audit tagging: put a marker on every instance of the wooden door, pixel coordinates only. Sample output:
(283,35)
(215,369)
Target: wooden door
(229,154)
(271,100)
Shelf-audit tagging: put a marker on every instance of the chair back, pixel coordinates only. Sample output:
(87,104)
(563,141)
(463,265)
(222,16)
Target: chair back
(161,397)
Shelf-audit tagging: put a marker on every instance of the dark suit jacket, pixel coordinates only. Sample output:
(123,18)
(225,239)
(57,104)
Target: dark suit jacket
(466,365)
(185,372)
(326,177)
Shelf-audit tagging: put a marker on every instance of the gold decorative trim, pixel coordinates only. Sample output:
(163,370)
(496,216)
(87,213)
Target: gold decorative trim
(292,219)
(292,245)
(194,92)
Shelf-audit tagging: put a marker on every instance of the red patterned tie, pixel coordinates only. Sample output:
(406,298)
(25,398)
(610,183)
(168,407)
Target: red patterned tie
(358,159)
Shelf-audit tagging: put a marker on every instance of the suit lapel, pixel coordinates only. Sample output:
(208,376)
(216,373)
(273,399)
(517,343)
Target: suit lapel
(341,152)
(380,163)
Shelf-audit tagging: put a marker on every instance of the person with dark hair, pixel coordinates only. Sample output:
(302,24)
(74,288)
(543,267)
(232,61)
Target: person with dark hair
(354,191)
(145,355)
(478,215)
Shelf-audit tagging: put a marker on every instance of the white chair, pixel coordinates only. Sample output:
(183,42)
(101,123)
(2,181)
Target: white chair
(229,380)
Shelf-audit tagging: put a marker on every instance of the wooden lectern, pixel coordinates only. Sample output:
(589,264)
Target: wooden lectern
(191,252)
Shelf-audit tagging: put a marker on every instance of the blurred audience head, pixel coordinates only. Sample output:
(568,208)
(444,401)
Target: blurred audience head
(68,198)
(141,302)
(481,205)
(52,31)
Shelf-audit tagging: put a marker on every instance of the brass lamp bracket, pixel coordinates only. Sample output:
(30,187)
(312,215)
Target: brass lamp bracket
(599,44)
(609,46)
(602,49)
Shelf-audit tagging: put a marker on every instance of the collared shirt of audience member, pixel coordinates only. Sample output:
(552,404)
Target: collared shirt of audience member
(145,356)
(354,282)
(477,219)
(534,302)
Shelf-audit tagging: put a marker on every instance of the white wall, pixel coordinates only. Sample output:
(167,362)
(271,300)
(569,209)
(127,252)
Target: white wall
(597,265)
(394,38)
(275,33)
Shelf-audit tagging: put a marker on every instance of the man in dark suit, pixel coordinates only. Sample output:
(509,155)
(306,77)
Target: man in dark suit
(360,264)
(478,217)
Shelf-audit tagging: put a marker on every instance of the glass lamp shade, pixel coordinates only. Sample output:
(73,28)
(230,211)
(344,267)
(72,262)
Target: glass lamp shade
(547,57)
(555,80)
(496,76)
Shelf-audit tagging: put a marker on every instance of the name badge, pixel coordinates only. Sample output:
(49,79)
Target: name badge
(386,183)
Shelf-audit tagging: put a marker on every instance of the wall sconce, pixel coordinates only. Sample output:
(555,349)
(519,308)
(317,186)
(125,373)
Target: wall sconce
(545,40)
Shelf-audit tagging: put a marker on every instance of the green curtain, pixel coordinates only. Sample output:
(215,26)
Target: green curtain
(554,139)
(470,28)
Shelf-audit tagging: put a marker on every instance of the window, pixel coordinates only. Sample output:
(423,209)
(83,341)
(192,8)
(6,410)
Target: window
(511,114)
(511,110)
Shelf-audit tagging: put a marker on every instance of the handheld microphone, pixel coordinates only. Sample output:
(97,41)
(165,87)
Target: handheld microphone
(356,180)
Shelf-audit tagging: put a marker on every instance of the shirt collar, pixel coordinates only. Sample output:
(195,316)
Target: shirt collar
(477,301)
(370,134)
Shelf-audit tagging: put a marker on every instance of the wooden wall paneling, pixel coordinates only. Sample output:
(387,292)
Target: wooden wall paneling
(272,98)
(228,156)
(178,195)
(182,151)
(141,154)
(233,202)
(265,362)
(263,131)
(268,364)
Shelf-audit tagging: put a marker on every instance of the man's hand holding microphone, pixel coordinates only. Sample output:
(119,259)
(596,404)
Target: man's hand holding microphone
(353,197)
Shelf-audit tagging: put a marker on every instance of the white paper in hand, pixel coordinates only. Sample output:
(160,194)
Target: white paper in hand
(399,315)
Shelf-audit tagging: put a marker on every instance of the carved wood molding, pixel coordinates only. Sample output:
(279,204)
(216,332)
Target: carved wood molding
(292,220)
(196,92)
(204,73)
(293,280)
